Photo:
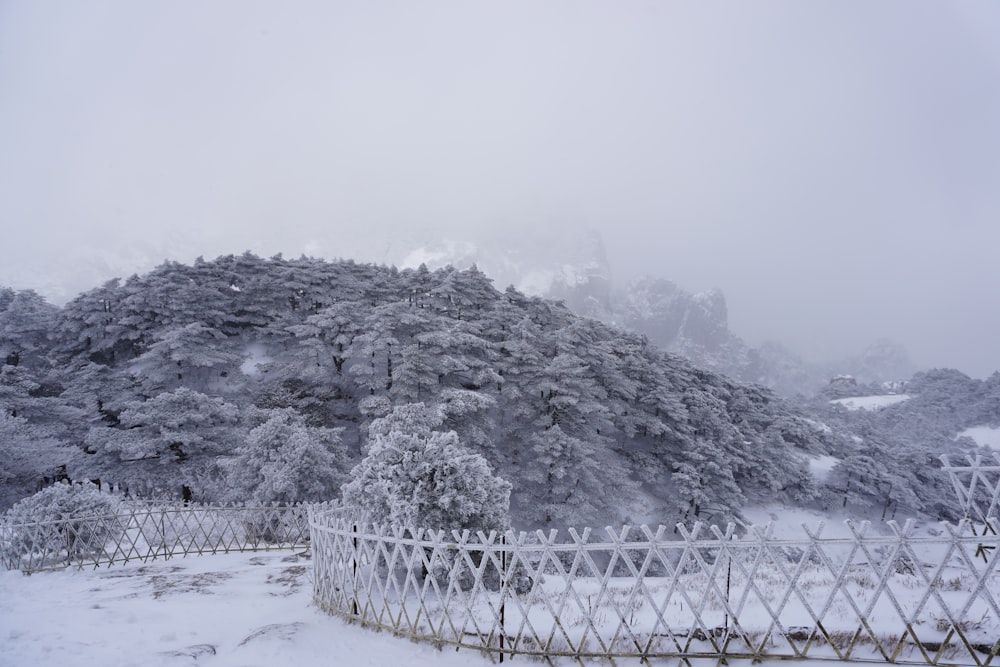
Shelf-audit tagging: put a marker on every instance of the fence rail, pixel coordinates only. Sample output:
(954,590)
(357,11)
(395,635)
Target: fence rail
(145,531)
(894,596)
(976,485)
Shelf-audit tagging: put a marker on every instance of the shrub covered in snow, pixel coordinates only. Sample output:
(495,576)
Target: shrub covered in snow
(417,477)
(63,520)
(284,459)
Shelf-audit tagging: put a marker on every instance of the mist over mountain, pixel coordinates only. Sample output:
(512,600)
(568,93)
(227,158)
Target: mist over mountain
(575,270)
(696,327)
(543,261)
(910,426)
(251,378)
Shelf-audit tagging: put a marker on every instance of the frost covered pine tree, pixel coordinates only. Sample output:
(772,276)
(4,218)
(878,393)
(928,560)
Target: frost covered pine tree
(169,442)
(564,482)
(194,356)
(286,460)
(417,477)
(327,335)
(25,324)
(26,455)
(76,521)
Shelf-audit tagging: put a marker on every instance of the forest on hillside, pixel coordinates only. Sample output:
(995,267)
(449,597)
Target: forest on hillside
(244,378)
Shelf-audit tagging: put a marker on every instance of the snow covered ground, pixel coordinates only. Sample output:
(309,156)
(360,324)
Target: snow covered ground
(870,402)
(821,465)
(788,521)
(256,356)
(985,436)
(236,610)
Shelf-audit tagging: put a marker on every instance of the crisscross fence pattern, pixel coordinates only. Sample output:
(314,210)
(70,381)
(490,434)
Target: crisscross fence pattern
(145,531)
(977,485)
(898,596)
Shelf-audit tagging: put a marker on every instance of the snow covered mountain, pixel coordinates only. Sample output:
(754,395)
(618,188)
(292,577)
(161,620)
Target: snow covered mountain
(575,270)
(199,378)
(542,262)
(696,326)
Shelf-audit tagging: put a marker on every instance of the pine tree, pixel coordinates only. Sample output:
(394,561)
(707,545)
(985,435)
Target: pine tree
(567,482)
(416,477)
(25,325)
(171,441)
(193,355)
(26,456)
(284,459)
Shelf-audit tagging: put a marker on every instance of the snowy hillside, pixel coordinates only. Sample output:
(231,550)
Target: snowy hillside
(575,269)
(248,378)
(540,262)
(257,378)
(870,402)
(985,436)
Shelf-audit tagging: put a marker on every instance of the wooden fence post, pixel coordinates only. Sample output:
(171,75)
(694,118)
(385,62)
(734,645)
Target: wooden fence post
(354,570)
(503,590)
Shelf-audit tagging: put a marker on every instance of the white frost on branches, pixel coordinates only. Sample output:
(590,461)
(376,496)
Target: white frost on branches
(416,476)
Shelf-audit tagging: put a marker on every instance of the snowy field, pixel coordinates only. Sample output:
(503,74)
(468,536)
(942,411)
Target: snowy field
(871,402)
(985,436)
(237,610)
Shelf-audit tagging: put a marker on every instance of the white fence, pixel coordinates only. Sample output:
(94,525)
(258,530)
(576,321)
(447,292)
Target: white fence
(901,596)
(977,485)
(145,531)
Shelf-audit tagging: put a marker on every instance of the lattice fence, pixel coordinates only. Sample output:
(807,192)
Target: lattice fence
(902,597)
(147,531)
(977,485)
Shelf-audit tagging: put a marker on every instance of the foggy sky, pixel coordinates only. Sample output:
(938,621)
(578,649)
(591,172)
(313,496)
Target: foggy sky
(833,167)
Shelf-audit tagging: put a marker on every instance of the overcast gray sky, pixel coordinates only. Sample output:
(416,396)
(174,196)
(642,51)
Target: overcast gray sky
(833,167)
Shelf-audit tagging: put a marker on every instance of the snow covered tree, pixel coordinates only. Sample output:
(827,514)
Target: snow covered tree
(26,455)
(329,333)
(7,297)
(459,292)
(193,355)
(25,326)
(371,354)
(416,477)
(520,380)
(35,429)
(88,325)
(573,399)
(166,443)
(518,367)
(703,469)
(100,391)
(703,488)
(566,482)
(79,532)
(856,479)
(17,390)
(286,460)
(471,415)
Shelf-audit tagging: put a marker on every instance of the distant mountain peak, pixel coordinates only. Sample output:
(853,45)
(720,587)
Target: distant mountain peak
(574,269)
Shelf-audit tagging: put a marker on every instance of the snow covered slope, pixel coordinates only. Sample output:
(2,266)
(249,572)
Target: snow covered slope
(870,402)
(985,436)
